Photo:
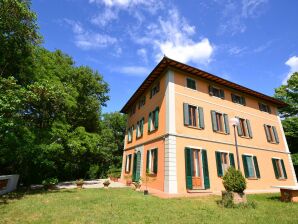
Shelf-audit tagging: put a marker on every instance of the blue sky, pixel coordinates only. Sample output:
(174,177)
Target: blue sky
(250,42)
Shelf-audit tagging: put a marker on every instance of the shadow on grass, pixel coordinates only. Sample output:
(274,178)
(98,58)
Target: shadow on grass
(19,194)
(274,198)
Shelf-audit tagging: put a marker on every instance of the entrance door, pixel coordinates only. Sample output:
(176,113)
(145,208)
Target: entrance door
(136,167)
(193,168)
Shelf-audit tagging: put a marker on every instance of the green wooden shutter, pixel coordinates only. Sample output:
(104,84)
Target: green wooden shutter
(137,131)
(245,166)
(156,118)
(248,128)
(226,120)
(275,134)
(142,126)
(138,165)
(205,169)
(147,161)
(257,167)
(201,117)
(222,93)
(218,164)
(155,162)
(284,168)
(188,168)
(213,118)
(185,114)
(232,161)
(149,121)
(275,168)
(267,133)
(239,129)
(134,167)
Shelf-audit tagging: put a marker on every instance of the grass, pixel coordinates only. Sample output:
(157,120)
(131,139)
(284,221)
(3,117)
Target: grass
(128,206)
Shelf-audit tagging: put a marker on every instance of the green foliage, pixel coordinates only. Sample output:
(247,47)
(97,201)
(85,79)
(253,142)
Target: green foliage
(50,181)
(93,172)
(114,172)
(233,180)
(295,159)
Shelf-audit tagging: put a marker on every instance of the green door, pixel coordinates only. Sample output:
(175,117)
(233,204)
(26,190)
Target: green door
(136,167)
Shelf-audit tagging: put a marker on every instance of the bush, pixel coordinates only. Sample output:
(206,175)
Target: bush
(114,172)
(233,180)
(50,181)
(93,171)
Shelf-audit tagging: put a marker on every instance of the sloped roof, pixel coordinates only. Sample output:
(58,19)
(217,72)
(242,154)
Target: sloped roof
(166,63)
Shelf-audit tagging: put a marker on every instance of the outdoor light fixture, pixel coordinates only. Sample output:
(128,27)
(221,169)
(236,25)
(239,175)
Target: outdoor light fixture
(235,122)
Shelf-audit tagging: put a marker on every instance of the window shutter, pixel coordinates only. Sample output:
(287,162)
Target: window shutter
(137,131)
(245,166)
(214,123)
(155,162)
(210,90)
(275,168)
(249,128)
(257,167)
(186,114)
(232,161)
(147,161)
(239,130)
(267,132)
(243,100)
(205,169)
(156,118)
(222,93)
(134,172)
(226,120)
(142,126)
(284,169)
(126,161)
(275,134)
(218,164)
(188,168)
(149,121)
(201,117)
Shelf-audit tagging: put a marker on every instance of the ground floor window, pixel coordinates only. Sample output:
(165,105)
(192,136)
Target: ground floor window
(251,167)
(279,168)
(152,158)
(128,163)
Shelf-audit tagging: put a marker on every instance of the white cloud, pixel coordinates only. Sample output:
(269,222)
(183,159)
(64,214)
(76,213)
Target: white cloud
(293,64)
(104,18)
(142,52)
(137,71)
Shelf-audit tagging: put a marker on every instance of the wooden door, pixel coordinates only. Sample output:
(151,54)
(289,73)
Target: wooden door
(196,174)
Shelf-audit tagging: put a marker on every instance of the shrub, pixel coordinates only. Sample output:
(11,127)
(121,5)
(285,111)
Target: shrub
(93,171)
(114,172)
(50,181)
(233,180)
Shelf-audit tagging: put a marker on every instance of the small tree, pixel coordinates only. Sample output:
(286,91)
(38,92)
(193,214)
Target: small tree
(234,181)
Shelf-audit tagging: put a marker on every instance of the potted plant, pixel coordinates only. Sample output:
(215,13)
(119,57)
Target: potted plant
(128,180)
(114,173)
(234,184)
(80,183)
(50,183)
(137,185)
(106,184)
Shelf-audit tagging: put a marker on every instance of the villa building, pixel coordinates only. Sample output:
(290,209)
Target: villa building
(179,132)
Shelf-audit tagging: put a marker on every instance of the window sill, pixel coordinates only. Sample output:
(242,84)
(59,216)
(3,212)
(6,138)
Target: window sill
(151,174)
(221,132)
(129,142)
(252,178)
(193,127)
(275,143)
(282,179)
(195,90)
(216,97)
(151,132)
(246,137)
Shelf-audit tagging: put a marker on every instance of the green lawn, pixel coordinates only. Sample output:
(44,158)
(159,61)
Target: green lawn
(128,206)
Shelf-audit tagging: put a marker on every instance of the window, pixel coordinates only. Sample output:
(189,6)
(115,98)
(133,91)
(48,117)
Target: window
(191,83)
(238,99)
(140,127)
(132,110)
(220,122)
(142,101)
(193,116)
(244,128)
(264,107)
(129,134)
(251,167)
(279,168)
(153,120)
(128,163)
(271,134)
(151,165)
(223,161)
(154,90)
(214,91)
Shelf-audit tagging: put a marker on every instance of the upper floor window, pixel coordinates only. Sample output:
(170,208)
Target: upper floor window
(220,122)
(140,127)
(154,90)
(128,163)
(279,168)
(244,128)
(223,161)
(215,91)
(193,116)
(264,107)
(151,163)
(238,99)
(251,167)
(132,110)
(191,83)
(153,120)
(142,101)
(129,134)
(271,133)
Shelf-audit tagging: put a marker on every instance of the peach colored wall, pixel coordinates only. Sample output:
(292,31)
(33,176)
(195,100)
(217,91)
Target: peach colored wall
(264,161)
(201,97)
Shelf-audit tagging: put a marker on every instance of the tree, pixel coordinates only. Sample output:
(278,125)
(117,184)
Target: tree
(289,94)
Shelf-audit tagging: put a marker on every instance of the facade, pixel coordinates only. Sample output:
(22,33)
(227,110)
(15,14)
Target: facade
(179,134)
